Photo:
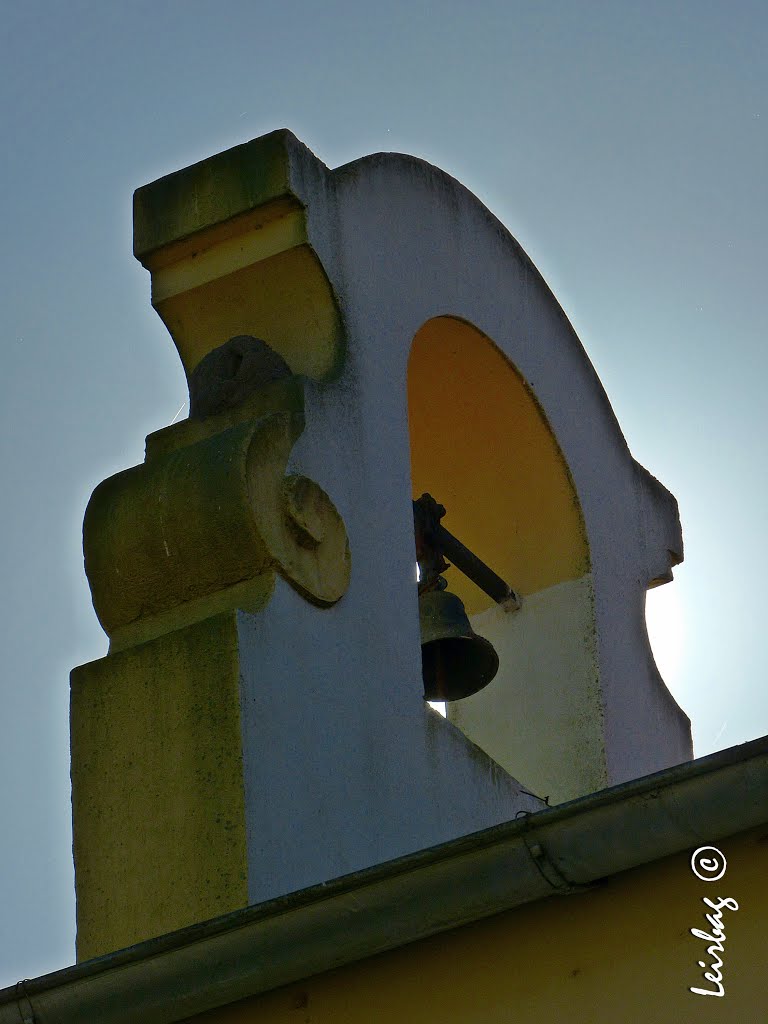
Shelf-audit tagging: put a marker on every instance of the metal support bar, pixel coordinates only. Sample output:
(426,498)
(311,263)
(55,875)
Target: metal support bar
(473,567)
(433,542)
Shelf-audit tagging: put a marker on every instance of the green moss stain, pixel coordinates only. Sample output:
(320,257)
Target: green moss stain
(211,192)
(157,787)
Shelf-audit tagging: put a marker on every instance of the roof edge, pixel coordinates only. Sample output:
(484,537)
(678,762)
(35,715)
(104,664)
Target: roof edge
(551,852)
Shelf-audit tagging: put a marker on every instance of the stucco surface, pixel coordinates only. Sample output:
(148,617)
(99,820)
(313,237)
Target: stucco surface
(542,716)
(402,243)
(340,763)
(345,768)
(157,789)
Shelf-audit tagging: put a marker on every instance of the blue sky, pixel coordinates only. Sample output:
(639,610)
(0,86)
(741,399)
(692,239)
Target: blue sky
(624,145)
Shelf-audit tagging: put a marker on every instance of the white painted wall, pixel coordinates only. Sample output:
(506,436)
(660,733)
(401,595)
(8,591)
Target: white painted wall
(345,766)
(541,718)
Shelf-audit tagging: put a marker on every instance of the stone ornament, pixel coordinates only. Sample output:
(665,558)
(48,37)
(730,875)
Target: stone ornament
(217,512)
(229,374)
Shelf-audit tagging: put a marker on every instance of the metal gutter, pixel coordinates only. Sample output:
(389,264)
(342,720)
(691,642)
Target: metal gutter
(557,851)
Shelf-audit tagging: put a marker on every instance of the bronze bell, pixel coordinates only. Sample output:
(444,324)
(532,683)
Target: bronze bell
(455,661)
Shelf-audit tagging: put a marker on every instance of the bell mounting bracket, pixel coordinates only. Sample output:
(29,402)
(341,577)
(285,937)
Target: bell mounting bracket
(434,543)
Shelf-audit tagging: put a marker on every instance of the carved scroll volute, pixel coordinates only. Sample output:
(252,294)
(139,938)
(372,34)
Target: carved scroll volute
(209,519)
(297,522)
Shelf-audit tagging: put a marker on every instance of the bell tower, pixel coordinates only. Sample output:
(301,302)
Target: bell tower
(352,339)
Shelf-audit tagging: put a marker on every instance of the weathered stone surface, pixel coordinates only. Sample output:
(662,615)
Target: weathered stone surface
(231,373)
(164,540)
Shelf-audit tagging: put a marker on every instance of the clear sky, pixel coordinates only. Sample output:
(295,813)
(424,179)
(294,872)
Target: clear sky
(624,146)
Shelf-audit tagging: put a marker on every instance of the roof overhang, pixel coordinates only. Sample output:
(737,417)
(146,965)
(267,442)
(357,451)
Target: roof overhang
(552,852)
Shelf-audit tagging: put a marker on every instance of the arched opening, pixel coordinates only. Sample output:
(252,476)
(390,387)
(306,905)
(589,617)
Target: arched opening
(482,446)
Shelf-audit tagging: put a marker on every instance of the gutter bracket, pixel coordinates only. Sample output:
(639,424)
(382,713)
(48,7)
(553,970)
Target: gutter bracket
(23,1005)
(550,872)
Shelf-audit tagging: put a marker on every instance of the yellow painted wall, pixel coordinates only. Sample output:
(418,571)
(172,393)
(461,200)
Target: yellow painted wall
(284,298)
(226,243)
(482,447)
(620,953)
(157,787)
